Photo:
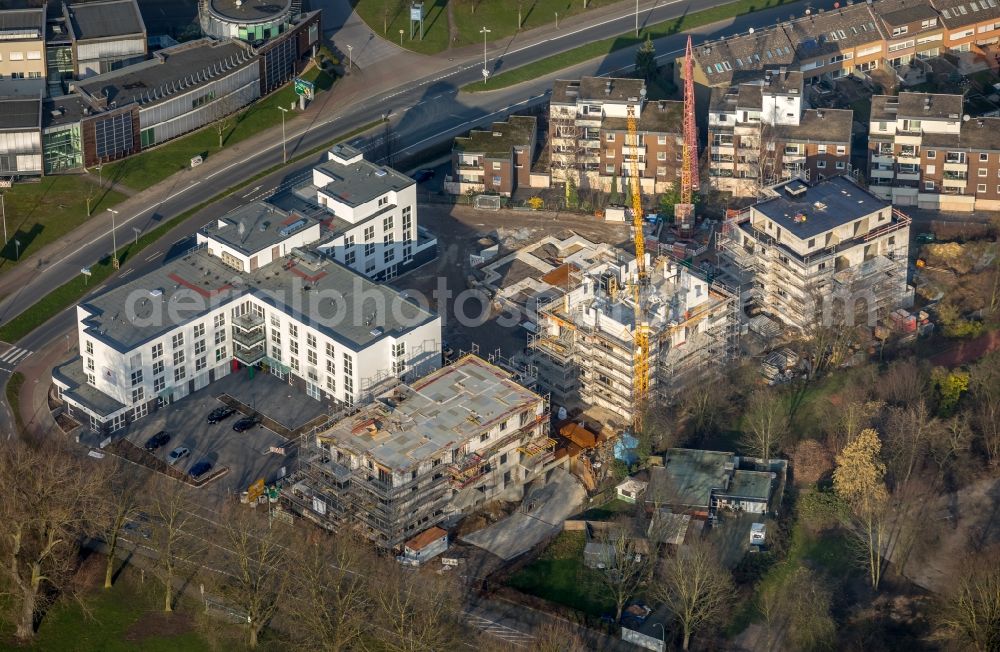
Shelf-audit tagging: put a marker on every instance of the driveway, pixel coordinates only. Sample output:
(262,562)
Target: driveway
(541,514)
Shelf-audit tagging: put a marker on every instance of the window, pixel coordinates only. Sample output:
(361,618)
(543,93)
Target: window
(331,384)
(348,365)
(503,458)
(330,366)
(17,56)
(899,31)
(841,150)
(34,55)
(610,137)
(199,330)
(220,320)
(275,323)
(841,165)
(276,353)
(136,377)
(177,340)
(497,165)
(382,201)
(138,394)
(220,354)
(276,337)
(931,153)
(158,367)
(90,364)
(200,363)
(661,171)
(329,349)
(311,357)
(387,223)
(369,248)
(349,258)
(90,348)
(293,346)
(928,185)
(981,187)
(199,347)
(609,169)
(661,156)
(159,384)
(369,233)
(812,242)
(293,330)
(179,374)
(930,22)
(294,364)
(220,337)
(821,164)
(661,139)
(388,255)
(178,358)
(981,172)
(311,340)
(821,149)
(484,437)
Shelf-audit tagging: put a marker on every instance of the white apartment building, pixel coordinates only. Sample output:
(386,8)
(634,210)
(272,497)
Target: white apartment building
(296,314)
(373,228)
(831,253)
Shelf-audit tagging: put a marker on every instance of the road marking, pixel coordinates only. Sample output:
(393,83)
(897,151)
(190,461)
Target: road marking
(126,273)
(15,355)
(251,192)
(154,256)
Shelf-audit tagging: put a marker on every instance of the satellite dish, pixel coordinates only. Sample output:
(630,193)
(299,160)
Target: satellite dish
(808,11)
(642,92)
(965,118)
(751,30)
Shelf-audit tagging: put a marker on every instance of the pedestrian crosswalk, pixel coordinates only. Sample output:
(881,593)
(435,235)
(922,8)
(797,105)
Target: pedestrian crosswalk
(13,357)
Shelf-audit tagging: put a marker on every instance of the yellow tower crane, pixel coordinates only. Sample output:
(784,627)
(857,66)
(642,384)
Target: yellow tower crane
(640,386)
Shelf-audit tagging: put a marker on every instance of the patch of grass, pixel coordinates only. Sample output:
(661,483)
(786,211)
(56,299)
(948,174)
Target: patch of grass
(559,576)
(116,621)
(608,511)
(41,213)
(606,46)
(70,292)
(14,398)
(387,17)
(152,166)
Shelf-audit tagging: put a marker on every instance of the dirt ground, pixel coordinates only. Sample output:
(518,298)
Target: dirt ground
(459,230)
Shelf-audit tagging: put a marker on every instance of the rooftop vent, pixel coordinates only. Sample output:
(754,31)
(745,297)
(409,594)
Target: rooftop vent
(263,226)
(795,188)
(292,228)
(375,332)
(380,172)
(156,292)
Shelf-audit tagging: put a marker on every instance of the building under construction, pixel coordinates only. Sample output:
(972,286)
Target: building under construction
(585,348)
(830,253)
(440,447)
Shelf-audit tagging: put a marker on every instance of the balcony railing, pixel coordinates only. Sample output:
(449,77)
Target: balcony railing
(248,320)
(248,338)
(249,356)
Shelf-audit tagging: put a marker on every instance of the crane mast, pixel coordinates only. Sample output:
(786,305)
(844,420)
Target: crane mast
(640,386)
(684,211)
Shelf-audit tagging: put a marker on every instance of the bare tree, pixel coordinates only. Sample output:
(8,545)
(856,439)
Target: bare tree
(859,481)
(122,504)
(796,611)
(909,431)
(228,111)
(417,612)
(695,588)
(984,384)
(49,504)
(904,382)
(626,566)
(332,592)
(969,615)
(173,535)
(258,569)
(949,448)
(765,424)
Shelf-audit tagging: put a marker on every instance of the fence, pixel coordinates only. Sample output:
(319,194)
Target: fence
(487,202)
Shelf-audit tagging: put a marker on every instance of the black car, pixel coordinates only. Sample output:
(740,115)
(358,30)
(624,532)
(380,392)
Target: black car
(200,469)
(246,423)
(423,175)
(158,440)
(220,413)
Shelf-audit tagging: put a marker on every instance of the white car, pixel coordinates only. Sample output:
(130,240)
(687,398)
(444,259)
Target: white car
(178,454)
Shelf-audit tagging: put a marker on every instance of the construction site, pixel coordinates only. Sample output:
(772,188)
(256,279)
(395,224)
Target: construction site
(424,453)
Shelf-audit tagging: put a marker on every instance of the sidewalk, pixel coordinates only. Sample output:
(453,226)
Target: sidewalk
(33,402)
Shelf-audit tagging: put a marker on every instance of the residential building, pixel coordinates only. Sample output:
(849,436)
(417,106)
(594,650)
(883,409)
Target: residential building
(425,546)
(923,152)
(913,30)
(22,51)
(588,129)
(829,253)
(425,452)
(323,327)
(761,132)
(370,214)
(105,35)
(969,24)
(584,345)
(20,136)
(495,161)
(699,482)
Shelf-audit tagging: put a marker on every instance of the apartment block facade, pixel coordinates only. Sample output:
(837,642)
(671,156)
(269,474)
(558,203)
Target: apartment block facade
(22,52)
(588,132)
(924,152)
(760,133)
(494,161)
(829,253)
(424,452)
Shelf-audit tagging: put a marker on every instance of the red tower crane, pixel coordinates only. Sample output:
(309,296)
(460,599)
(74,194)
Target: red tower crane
(684,211)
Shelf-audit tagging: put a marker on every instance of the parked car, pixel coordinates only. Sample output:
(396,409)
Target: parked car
(423,175)
(178,454)
(200,469)
(220,413)
(159,440)
(246,423)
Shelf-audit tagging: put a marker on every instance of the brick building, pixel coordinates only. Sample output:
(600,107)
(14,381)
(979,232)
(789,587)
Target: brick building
(494,161)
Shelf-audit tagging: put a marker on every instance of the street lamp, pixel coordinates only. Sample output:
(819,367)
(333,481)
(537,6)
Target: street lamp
(637,17)
(400,38)
(486,72)
(3,212)
(137,230)
(663,637)
(557,20)
(350,58)
(114,240)
(284,151)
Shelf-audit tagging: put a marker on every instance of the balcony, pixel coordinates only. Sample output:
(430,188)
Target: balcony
(248,321)
(879,173)
(249,338)
(723,149)
(249,355)
(882,159)
(908,160)
(627,150)
(907,139)
(908,176)
(590,143)
(956,166)
(956,184)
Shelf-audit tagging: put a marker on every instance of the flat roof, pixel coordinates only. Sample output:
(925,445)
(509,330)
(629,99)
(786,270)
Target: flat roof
(316,291)
(256,226)
(170,71)
(516,131)
(688,477)
(656,116)
(105,19)
(830,203)
(250,11)
(597,89)
(929,105)
(437,413)
(22,24)
(755,485)
(360,182)
(65,109)
(72,374)
(18,113)
(819,126)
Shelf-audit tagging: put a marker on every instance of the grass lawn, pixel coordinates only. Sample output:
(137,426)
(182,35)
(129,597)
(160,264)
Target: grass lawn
(43,212)
(155,165)
(14,397)
(126,617)
(387,17)
(601,48)
(559,576)
(608,511)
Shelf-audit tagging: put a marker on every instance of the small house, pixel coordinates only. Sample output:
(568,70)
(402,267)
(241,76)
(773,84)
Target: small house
(424,547)
(630,489)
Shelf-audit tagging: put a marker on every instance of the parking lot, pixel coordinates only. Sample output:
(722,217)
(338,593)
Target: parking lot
(247,455)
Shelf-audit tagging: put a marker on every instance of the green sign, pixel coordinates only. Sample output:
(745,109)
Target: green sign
(303,87)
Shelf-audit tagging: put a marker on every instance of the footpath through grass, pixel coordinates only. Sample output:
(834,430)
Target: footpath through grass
(559,575)
(73,290)
(606,46)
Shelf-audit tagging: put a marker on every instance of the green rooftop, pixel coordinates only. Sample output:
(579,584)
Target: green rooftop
(517,131)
